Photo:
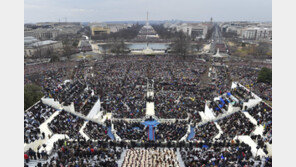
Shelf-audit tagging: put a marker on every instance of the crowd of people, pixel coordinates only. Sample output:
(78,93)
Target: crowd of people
(219,153)
(35,155)
(39,68)
(170,131)
(220,78)
(236,124)
(121,86)
(247,74)
(83,153)
(205,132)
(33,118)
(263,115)
(66,123)
(150,157)
(96,131)
(88,104)
(242,94)
(221,106)
(130,130)
(168,106)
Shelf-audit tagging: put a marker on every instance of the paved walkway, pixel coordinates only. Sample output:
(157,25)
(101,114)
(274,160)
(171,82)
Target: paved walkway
(220,131)
(82,132)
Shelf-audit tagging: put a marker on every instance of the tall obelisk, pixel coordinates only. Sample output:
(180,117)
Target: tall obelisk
(147,23)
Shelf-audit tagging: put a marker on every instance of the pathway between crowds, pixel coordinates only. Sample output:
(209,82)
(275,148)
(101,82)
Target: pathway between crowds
(44,128)
(120,161)
(82,132)
(220,131)
(179,158)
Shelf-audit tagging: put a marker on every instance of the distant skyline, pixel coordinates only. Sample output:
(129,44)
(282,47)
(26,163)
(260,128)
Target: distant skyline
(135,10)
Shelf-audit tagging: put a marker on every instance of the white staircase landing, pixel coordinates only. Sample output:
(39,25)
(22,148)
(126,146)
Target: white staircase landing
(150,109)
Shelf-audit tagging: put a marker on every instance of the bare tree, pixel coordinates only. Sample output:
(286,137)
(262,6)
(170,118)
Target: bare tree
(181,45)
(67,47)
(262,49)
(118,47)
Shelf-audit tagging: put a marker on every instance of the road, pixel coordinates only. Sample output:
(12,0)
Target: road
(216,38)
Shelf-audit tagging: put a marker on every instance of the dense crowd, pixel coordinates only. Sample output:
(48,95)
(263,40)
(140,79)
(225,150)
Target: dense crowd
(38,68)
(247,74)
(121,86)
(242,94)
(86,108)
(66,123)
(220,78)
(236,124)
(168,106)
(219,153)
(33,118)
(221,105)
(171,131)
(263,115)
(130,130)
(96,131)
(205,132)
(84,153)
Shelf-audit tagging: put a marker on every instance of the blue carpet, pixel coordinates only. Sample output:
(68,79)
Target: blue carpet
(151,132)
(110,134)
(150,123)
(191,134)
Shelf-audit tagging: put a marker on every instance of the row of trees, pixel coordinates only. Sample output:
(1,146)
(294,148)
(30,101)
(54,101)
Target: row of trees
(32,94)
(210,33)
(165,33)
(117,47)
(265,75)
(181,45)
(123,34)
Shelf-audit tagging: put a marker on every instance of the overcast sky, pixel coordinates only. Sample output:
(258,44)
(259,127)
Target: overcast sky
(123,10)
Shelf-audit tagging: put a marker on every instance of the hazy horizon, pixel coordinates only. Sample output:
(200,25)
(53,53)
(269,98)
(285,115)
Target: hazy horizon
(143,21)
(135,10)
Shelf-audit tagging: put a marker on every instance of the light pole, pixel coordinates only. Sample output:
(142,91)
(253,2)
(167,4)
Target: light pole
(257,150)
